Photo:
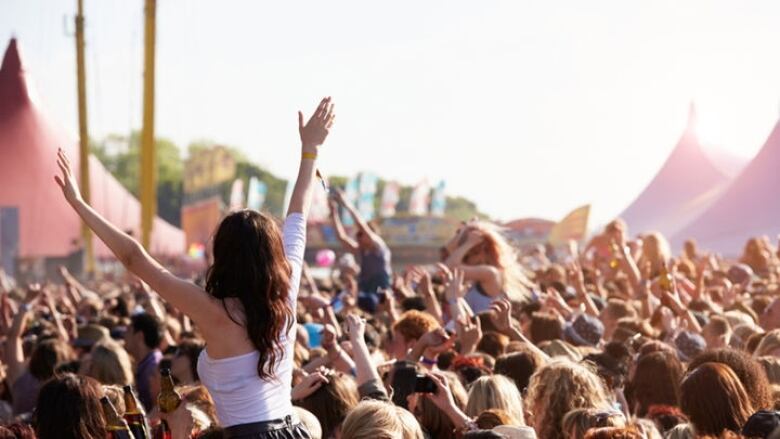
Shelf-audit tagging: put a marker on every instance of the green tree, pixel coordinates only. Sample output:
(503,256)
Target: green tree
(124,163)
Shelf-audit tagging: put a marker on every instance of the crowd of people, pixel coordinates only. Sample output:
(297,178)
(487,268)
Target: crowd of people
(619,339)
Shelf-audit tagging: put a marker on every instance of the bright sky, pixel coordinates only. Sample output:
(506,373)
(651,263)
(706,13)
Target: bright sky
(529,108)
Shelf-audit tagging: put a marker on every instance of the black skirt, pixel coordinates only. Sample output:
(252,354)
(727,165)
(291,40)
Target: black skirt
(277,429)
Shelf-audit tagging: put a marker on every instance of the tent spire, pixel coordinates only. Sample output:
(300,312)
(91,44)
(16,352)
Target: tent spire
(12,62)
(693,117)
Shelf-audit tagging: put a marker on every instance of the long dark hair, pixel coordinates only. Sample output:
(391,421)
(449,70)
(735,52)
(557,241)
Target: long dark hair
(250,265)
(69,408)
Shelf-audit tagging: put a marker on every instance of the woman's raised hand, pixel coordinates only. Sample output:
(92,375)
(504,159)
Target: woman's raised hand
(314,132)
(67,181)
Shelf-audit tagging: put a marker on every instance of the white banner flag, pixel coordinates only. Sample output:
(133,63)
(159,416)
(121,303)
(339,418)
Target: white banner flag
(390,197)
(255,197)
(418,203)
(439,200)
(237,195)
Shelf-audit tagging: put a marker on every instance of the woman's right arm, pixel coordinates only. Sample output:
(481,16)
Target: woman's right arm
(184,295)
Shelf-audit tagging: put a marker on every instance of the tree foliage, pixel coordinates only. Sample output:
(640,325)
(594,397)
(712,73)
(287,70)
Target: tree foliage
(121,155)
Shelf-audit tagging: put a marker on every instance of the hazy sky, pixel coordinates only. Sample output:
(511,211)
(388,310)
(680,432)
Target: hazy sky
(529,108)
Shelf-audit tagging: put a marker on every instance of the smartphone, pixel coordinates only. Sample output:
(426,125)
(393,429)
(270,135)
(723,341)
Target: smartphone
(424,384)
(404,382)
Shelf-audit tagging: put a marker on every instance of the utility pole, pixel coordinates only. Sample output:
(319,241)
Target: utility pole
(148,188)
(89,256)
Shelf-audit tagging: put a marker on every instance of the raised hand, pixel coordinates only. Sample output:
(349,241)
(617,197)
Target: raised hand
(455,288)
(67,182)
(501,315)
(469,333)
(309,385)
(314,132)
(437,341)
(442,397)
(356,326)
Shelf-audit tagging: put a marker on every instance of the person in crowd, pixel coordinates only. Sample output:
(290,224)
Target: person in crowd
(714,400)
(109,363)
(69,408)
(246,313)
(184,365)
(375,258)
(377,419)
(600,248)
(142,340)
(578,422)
(495,392)
(488,263)
(655,381)
(559,387)
(750,373)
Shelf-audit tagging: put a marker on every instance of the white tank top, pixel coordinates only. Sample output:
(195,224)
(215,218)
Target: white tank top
(240,395)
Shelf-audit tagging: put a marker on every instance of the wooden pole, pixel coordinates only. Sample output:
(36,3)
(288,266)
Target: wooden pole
(148,187)
(89,256)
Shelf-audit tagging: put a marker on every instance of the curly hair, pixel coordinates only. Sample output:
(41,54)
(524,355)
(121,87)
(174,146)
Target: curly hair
(250,265)
(749,371)
(559,387)
(414,324)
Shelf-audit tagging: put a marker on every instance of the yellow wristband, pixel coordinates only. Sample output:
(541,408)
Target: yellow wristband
(309,156)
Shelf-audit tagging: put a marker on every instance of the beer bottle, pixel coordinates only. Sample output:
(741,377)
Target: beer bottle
(116,427)
(665,278)
(616,250)
(135,416)
(168,400)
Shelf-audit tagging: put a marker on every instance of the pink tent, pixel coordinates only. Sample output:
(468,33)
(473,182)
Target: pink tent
(28,143)
(748,207)
(684,187)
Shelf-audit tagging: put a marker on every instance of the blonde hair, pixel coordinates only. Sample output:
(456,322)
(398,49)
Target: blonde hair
(503,257)
(577,422)
(309,421)
(559,387)
(655,250)
(495,392)
(116,395)
(110,364)
(769,343)
(772,368)
(380,420)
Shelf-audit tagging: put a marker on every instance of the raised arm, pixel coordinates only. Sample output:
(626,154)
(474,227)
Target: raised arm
(341,234)
(184,295)
(313,135)
(360,222)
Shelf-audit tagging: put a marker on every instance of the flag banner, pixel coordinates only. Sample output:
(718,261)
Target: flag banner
(255,197)
(351,192)
(439,200)
(237,195)
(367,188)
(390,197)
(573,226)
(418,203)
